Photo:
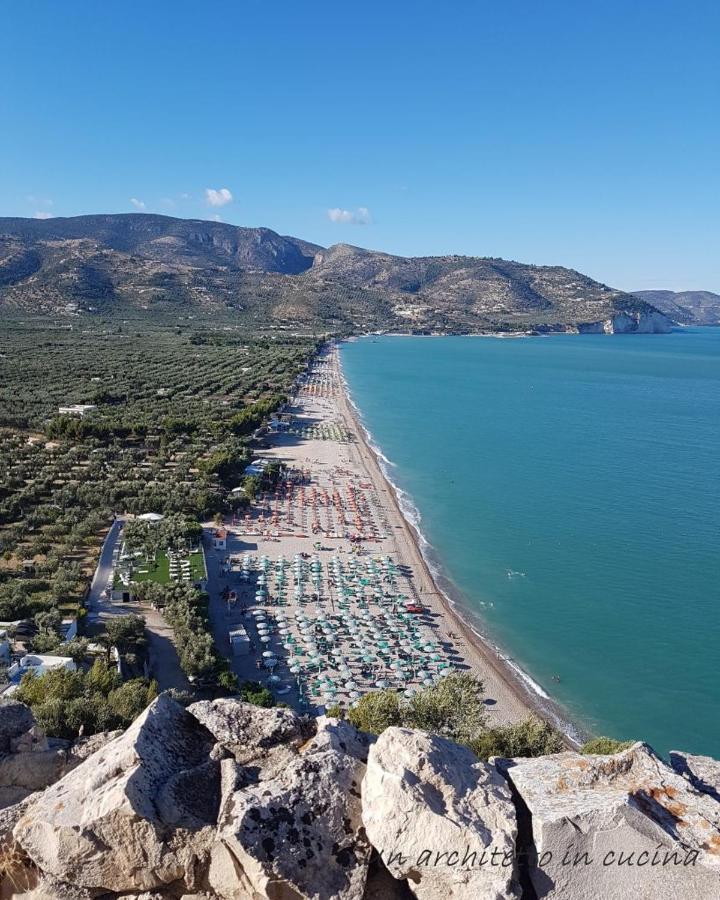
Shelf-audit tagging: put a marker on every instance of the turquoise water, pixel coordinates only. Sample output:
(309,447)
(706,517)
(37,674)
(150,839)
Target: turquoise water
(588,467)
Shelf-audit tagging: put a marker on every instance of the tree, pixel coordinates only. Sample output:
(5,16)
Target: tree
(531,737)
(76,649)
(257,694)
(376,711)
(130,699)
(452,708)
(125,632)
(102,678)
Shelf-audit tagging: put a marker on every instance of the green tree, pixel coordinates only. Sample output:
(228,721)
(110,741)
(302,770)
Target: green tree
(130,699)
(376,711)
(257,694)
(531,737)
(125,632)
(76,649)
(452,708)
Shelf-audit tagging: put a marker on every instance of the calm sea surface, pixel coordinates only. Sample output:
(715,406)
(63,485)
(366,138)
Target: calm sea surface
(570,487)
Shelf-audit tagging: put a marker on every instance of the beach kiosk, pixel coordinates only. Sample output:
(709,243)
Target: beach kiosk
(239,641)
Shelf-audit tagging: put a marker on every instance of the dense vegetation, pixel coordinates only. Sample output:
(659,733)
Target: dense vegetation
(175,408)
(66,703)
(453,708)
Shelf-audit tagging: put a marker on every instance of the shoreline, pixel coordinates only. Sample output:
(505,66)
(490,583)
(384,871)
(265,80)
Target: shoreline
(503,675)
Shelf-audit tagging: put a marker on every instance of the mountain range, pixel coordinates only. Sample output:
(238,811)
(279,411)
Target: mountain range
(685,307)
(136,263)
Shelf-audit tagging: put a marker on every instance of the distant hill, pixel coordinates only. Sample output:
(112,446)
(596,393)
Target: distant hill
(685,307)
(139,263)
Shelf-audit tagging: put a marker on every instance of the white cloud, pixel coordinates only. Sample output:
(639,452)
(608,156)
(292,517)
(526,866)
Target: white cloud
(361,216)
(138,204)
(216,218)
(43,215)
(218,198)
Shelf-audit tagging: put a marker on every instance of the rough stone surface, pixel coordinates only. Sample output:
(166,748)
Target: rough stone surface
(428,805)
(249,732)
(32,770)
(111,822)
(600,822)
(703,772)
(341,736)
(33,739)
(15,720)
(300,834)
(34,762)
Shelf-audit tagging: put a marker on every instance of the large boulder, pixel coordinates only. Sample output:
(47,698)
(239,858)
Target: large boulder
(16,719)
(249,732)
(341,736)
(439,817)
(617,826)
(297,835)
(134,815)
(35,763)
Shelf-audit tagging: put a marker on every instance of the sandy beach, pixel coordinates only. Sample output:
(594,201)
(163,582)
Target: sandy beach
(335,561)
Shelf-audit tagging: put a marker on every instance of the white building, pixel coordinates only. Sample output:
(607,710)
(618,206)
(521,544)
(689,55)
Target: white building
(38,664)
(239,641)
(77,409)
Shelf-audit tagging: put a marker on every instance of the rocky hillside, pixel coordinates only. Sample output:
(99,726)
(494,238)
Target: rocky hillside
(228,801)
(685,307)
(134,264)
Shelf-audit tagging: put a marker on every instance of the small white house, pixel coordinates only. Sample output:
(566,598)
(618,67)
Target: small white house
(77,409)
(239,641)
(150,517)
(220,538)
(37,663)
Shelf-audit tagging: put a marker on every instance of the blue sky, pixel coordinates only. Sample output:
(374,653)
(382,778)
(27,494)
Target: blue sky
(581,134)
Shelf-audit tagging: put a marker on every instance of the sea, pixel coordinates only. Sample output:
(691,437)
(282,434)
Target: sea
(567,490)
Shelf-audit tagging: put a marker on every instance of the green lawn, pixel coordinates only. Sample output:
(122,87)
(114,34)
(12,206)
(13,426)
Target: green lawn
(160,571)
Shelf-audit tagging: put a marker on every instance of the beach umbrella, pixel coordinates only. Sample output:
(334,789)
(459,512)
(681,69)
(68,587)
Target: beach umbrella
(268,654)
(381,683)
(265,639)
(296,670)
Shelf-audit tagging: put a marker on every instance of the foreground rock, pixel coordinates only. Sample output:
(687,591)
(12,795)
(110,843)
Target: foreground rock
(297,835)
(29,762)
(439,817)
(618,826)
(127,818)
(249,732)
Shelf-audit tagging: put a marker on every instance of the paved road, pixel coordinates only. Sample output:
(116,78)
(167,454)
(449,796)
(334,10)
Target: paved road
(164,661)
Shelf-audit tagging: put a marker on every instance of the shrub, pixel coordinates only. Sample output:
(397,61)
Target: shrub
(452,708)
(531,737)
(605,745)
(376,711)
(257,694)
